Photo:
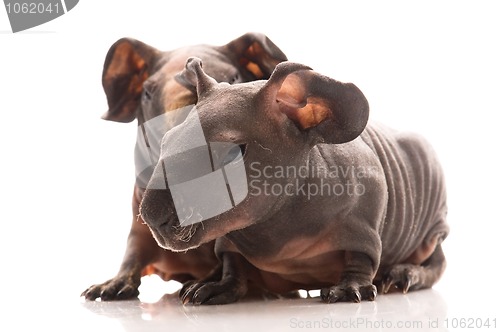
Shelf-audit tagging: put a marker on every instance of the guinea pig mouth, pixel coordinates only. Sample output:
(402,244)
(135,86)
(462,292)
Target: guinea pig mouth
(170,234)
(185,233)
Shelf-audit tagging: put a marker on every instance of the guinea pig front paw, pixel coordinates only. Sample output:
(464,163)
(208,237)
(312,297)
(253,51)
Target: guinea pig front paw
(118,288)
(349,291)
(228,290)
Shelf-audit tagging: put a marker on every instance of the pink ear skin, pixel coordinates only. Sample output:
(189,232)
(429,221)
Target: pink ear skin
(255,53)
(337,112)
(293,100)
(127,66)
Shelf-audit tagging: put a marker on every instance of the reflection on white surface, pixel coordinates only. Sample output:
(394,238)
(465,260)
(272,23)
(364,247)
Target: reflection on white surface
(56,306)
(426,310)
(423,311)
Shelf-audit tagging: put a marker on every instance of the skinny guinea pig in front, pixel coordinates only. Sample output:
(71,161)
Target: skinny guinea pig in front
(328,201)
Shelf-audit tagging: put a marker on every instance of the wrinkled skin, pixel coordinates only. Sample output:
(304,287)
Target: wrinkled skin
(142,83)
(387,230)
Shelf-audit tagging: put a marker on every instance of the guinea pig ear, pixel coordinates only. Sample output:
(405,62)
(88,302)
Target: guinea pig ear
(194,78)
(255,53)
(337,112)
(128,64)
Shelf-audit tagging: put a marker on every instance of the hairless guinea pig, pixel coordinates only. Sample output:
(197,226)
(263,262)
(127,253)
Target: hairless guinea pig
(140,83)
(297,190)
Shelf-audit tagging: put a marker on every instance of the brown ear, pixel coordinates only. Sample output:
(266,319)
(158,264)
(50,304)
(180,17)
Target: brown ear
(336,112)
(128,64)
(256,54)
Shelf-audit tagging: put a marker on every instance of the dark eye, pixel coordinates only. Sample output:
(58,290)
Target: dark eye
(146,94)
(234,79)
(234,153)
(148,89)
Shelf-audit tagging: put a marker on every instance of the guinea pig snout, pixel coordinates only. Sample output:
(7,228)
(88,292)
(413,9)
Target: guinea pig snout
(156,207)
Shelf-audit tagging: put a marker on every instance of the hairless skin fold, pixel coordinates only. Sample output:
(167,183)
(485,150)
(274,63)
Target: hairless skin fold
(342,204)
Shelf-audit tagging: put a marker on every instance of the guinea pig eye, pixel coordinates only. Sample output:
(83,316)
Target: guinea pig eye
(146,95)
(234,79)
(147,92)
(235,154)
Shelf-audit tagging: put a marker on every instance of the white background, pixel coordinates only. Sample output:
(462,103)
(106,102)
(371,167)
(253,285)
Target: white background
(67,176)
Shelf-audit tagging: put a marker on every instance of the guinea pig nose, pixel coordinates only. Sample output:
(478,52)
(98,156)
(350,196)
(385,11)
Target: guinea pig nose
(155,208)
(196,75)
(194,61)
